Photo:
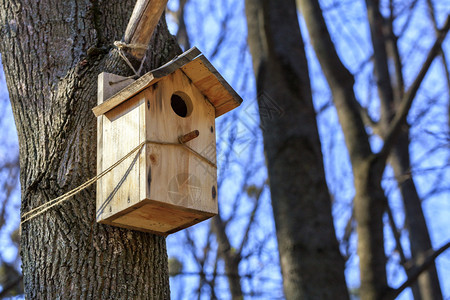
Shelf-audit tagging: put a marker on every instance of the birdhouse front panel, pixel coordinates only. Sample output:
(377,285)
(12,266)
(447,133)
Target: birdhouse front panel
(183,109)
(165,122)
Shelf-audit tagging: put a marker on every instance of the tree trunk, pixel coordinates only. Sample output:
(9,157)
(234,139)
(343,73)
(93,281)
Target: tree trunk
(427,287)
(311,263)
(369,201)
(419,238)
(230,258)
(52,52)
(369,209)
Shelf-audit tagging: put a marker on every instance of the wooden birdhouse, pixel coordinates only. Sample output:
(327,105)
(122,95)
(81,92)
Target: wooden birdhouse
(166,120)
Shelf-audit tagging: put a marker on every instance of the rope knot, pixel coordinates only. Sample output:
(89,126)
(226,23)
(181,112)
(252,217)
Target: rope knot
(121,45)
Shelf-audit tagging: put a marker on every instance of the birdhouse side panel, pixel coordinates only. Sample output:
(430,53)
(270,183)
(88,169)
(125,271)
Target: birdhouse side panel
(180,177)
(123,130)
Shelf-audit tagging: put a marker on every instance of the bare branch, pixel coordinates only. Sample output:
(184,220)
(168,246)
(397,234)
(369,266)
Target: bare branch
(415,272)
(10,286)
(223,33)
(444,57)
(410,9)
(182,34)
(251,221)
(339,79)
(367,119)
(229,255)
(143,21)
(213,279)
(400,117)
(393,51)
(381,69)
(396,233)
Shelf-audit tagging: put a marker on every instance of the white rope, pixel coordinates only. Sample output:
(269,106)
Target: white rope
(122,45)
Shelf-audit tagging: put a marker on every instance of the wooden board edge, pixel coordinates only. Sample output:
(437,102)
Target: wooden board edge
(173,206)
(100,218)
(164,234)
(223,109)
(203,215)
(124,94)
(176,63)
(111,223)
(237,99)
(196,221)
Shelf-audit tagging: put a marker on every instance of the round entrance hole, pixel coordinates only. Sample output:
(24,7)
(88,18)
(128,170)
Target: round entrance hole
(181,104)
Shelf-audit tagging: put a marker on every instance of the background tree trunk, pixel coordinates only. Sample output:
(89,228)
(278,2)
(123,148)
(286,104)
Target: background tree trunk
(369,201)
(382,33)
(419,239)
(52,52)
(311,263)
(368,167)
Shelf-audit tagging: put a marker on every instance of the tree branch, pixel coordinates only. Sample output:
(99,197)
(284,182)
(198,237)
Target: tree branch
(381,69)
(393,52)
(443,55)
(396,233)
(10,286)
(400,117)
(182,34)
(229,255)
(415,272)
(251,220)
(367,119)
(143,21)
(339,79)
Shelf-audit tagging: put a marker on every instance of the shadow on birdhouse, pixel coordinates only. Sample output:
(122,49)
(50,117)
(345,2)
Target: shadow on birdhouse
(170,183)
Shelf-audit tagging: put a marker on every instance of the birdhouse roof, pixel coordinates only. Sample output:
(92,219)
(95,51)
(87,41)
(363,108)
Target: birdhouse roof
(199,70)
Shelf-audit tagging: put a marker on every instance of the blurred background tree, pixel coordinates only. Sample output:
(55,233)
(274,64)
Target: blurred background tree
(374,58)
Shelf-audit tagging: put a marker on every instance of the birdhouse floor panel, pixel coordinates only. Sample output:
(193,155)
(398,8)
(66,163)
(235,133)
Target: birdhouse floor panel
(157,217)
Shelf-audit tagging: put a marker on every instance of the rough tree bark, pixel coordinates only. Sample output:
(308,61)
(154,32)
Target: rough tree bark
(52,52)
(311,263)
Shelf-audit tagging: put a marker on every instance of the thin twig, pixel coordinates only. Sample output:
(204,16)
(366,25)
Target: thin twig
(415,273)
(400,117)
(396,234)
(250,222)
(9,286)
